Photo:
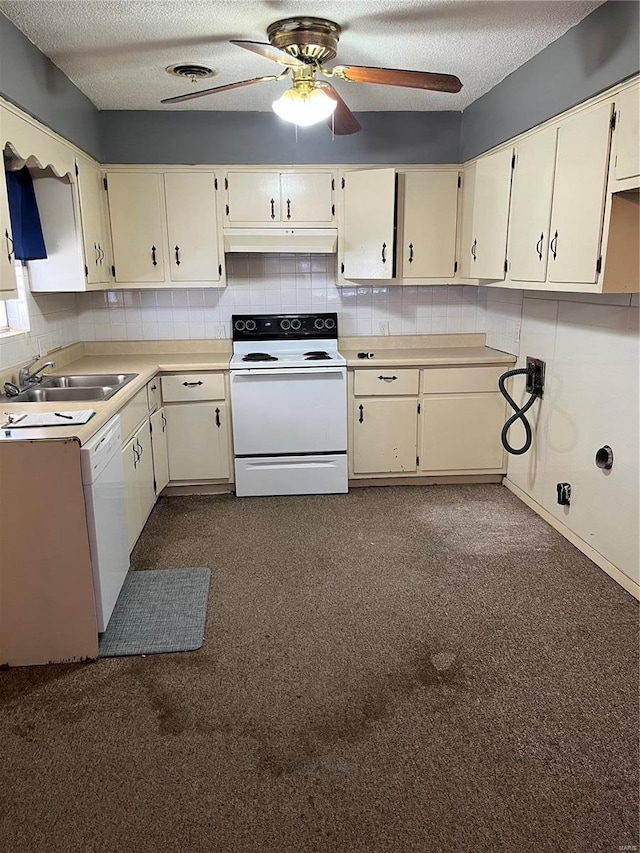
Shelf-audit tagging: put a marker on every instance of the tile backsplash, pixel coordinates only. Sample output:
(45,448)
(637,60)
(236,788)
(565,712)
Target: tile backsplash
(279,283)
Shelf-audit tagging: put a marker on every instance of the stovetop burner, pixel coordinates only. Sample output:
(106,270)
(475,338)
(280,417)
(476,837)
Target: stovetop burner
(316,355)
(259,356)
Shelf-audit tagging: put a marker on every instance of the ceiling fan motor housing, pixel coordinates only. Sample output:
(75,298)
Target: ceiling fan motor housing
(313,40)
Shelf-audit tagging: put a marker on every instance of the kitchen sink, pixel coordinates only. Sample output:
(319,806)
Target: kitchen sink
(87,380)
(57,395)
(85,386)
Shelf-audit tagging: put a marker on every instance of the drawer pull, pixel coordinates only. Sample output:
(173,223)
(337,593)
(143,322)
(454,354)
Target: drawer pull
(218,418)
(388,378)
(361,418)
(192,384)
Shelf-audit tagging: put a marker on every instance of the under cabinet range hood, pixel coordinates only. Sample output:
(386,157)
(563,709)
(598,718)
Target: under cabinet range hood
(307,240)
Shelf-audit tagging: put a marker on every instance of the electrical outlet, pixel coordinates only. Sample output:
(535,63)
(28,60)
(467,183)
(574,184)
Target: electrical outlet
(535,376)
(383,327)
(41,343)
(220,330)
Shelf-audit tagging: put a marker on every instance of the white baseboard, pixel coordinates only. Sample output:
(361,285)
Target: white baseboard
(613,571)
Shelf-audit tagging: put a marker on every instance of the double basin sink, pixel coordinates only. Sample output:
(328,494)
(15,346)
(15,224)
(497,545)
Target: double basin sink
(89,386)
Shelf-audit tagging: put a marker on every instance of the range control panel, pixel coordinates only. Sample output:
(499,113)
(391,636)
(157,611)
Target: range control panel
(276,327)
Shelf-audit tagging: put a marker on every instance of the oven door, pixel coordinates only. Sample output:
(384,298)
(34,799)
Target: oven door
(282,411)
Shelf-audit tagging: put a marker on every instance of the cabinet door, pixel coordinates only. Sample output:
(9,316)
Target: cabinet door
(307,197)
(462,432)
(144,472)
(136,209)
(465,237)
(492,191)
(531,196)
(192,226)
(131,494)
(198,441)
(160,453)
(627,161)
(578,196)
(94,230)
(8,287)
(429,228)
(384,436)
(253,197)
(368,236)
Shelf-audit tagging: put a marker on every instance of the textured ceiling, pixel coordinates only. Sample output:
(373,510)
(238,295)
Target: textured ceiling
(116,52)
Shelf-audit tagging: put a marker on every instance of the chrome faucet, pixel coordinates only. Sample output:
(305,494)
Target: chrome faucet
(28,377)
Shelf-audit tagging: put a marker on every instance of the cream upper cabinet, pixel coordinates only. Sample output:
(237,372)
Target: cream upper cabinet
(94,215)
(491,195)
(165,227)
(7,255)
(579,196)
(531,198)
(368,230)
(430,201)
(277,198)
(135,208)
(627,134)
(192,226)
(465,228)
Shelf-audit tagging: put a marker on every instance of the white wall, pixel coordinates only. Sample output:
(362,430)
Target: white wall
(54,316)
(278,283)
(590,346)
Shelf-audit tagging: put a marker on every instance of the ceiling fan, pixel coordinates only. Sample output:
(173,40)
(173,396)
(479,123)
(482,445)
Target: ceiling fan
(303,45)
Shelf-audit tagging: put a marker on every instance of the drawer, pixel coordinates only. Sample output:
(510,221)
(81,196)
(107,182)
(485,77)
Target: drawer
(184,387)
(452,380)
(133,413)
(153,394)
(385,382)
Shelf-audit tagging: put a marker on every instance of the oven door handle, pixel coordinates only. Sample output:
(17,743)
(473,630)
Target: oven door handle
(287,371)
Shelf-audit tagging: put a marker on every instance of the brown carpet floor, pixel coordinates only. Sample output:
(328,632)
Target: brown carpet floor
(389,671)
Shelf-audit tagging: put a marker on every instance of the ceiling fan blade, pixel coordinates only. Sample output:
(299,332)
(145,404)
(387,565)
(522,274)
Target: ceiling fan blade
(343,122)
(202,92)
(398,77)
(269,52)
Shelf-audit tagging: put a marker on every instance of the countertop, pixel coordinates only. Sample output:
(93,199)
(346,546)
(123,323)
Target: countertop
(147,365)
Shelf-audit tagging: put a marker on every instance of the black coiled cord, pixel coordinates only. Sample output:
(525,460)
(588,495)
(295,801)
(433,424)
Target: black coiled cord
(519,414)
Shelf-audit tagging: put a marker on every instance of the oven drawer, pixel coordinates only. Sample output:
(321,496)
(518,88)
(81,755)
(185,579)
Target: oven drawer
(184,387)
(292,475)
(385,382)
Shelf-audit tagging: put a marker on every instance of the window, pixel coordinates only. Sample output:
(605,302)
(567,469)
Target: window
(14,313)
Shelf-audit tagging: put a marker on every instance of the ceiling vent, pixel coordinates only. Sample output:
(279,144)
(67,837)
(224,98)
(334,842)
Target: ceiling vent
(190,70)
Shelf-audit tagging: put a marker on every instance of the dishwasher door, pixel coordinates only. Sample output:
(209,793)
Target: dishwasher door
(103,478)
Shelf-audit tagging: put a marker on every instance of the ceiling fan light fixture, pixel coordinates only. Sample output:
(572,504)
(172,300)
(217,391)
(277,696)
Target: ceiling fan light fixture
(304,106)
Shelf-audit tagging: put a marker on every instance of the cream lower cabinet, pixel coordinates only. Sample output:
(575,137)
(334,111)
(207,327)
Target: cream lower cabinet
(462,415)
(197,428)
(140,493)
(384,421)
(158,422)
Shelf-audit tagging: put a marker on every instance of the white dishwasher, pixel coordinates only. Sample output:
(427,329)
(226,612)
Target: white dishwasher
(103,480)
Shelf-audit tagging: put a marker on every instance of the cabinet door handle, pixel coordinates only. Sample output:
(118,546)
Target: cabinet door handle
(177,251)
(361,418)
(164,423)
(273,209)
(384,253)
(153,256)
(141,449)
(410,253)
(553,245)
(101,254)
(473,250)
(288,208)
(136,457)
(539,246)
(191,384)
(218,418)
(97,254)
(10,248)
(388,378)
(154,387)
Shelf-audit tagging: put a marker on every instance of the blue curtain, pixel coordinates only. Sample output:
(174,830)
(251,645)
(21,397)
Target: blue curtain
(28,239)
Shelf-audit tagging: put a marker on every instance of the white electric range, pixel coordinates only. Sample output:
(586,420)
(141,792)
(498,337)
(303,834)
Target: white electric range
(289,405)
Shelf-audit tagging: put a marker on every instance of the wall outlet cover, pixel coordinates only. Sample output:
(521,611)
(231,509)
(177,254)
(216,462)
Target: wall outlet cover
(383,327)
(220,330)
(41,343)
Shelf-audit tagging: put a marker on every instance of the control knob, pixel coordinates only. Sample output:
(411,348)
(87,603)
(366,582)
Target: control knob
(318,323)
(250,325)
(285,325)
(296,324)
(239,325)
